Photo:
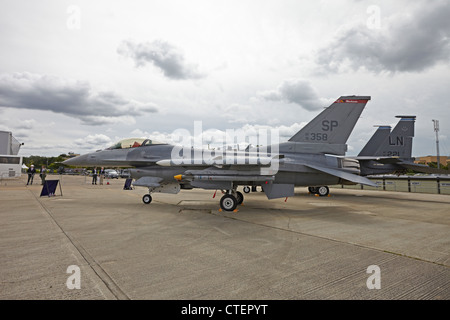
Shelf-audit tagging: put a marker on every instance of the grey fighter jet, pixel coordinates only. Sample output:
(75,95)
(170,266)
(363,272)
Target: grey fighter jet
(390,152)
(314,156)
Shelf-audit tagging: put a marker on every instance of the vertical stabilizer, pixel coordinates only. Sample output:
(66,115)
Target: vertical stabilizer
(399,141)
(375,141)
(334,124)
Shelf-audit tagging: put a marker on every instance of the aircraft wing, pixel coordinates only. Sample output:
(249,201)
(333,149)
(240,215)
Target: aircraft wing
(343,175)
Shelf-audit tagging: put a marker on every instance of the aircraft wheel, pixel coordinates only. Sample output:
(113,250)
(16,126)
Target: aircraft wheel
(312,190)
(239,197)
(147,198)
(246,189)
(323,191)
(228,202)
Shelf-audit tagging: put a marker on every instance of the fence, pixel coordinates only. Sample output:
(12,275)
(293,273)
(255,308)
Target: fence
(419,184)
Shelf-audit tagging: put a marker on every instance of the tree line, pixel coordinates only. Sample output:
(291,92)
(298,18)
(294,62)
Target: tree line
(51,163)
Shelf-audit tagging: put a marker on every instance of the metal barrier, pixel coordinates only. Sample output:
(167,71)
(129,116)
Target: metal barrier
(418,184)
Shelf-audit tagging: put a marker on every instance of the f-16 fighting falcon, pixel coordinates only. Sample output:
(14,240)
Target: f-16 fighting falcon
(313,157)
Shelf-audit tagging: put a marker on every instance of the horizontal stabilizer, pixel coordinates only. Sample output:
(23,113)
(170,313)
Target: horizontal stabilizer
(384,160)
(343,175)
(423,168)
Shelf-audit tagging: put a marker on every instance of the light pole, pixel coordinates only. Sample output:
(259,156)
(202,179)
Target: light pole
(436,129)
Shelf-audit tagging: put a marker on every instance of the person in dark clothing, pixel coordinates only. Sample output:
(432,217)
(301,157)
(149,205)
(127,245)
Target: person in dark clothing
(94,176)
(31,172)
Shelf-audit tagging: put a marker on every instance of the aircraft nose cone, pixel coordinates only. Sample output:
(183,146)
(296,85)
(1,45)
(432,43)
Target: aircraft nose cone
(77,161)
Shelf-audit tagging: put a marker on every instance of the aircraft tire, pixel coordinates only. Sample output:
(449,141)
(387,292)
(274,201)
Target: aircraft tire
(312,190)
(239,197)
(147,199)
(323,191)
(228,202)
(246,189)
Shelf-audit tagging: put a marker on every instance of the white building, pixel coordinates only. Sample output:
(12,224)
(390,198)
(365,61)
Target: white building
(10,161)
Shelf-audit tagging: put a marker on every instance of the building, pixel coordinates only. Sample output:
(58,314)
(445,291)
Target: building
(10,161)
(444,160)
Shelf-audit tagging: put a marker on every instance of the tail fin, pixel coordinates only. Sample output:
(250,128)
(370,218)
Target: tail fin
(334,124)
(399,141)
(375,141)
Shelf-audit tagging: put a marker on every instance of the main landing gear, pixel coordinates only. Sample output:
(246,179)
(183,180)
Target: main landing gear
(231,200)
(321,191)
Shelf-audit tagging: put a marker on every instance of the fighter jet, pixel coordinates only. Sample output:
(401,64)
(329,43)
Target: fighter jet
(390,152)
(314,156)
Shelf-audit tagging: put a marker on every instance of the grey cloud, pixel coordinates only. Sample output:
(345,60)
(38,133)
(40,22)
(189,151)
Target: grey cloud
(296,91)
(405,43)
(161,54)
(69,97)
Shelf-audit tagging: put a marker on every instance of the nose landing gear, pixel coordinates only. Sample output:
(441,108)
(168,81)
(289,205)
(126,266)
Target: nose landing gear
(147,199)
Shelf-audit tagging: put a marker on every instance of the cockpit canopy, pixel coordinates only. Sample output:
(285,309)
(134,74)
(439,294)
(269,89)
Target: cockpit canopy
(133,143)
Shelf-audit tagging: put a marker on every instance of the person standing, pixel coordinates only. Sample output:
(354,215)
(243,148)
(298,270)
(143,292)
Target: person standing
(94,176)
(43,174)
(31,171)
(102,175)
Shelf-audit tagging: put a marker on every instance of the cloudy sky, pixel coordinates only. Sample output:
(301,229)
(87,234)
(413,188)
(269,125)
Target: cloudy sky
(77,76)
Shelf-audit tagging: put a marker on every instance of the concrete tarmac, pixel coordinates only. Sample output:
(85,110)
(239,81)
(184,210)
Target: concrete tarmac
(182,247)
